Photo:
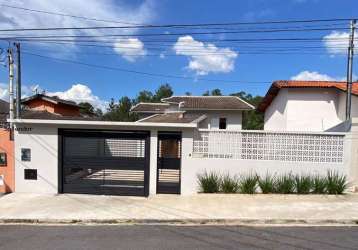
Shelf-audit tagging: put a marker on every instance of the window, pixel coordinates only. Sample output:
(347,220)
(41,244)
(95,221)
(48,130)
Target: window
(222,123)
(3,159)
(30,174)
(26,154)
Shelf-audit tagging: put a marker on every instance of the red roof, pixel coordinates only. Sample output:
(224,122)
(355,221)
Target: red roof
(277,85)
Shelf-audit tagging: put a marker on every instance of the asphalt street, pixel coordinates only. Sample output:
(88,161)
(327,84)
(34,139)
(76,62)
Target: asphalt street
(176,237)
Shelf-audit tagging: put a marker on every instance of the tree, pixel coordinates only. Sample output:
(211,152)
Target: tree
(251,119)
(214,92)
(163,91)
(120,111)
(87,109)
(144,96)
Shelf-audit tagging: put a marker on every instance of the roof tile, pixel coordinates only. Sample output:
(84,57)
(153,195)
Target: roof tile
(277,85)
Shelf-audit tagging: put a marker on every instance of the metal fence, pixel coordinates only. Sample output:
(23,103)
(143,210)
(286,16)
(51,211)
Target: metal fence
(261,145)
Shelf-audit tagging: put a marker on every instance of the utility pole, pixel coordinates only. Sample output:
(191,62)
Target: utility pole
(11,83)
(18,81)
(350,70)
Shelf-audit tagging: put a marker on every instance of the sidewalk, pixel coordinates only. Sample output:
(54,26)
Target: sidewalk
(202,208)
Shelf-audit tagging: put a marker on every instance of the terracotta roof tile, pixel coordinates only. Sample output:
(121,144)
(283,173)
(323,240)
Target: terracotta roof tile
(277,85)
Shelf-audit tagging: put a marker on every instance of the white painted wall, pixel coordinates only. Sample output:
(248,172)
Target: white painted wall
(276,115)
(43,142)
(233,119)
(304,110)
(195,166)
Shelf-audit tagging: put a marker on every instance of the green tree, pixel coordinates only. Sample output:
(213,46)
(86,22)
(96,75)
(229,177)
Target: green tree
(144,96)
(120,111)
(87,109)
(251,119)
(214,92)
(163,91)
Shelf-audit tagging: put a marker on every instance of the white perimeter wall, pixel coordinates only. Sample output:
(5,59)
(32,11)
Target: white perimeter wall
(43,142)
(192,166)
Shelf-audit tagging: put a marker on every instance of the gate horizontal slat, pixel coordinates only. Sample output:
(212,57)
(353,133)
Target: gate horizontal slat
(121,163)
(169,163)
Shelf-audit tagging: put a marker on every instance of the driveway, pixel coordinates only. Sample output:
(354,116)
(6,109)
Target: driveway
(176,237)
(206,208)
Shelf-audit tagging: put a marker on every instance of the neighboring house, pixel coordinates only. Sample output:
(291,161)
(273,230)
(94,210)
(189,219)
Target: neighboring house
(38,106)
(51,104)
(7,174)
(210,112)
(306,105)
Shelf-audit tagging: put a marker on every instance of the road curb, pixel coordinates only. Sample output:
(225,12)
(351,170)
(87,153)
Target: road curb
(307,222)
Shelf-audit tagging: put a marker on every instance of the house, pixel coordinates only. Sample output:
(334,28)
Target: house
(51,104)
(211,112)
(38,106)
(306,105)
(166,150)
(7,175)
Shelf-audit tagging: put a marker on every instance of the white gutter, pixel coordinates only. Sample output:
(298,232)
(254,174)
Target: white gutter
(103,123)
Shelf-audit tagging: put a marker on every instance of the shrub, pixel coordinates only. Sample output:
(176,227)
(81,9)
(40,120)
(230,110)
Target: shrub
(336,184)
(248,184)
(267,184)
(285,184)
(303,184)
(209,182)
(229,184)
(319,185)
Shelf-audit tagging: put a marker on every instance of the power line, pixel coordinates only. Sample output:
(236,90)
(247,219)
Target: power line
(64,14)
(172,34)
(176,25)
(145,73)
(246,40)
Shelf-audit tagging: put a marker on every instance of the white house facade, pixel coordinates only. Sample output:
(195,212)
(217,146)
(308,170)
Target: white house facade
(306,105)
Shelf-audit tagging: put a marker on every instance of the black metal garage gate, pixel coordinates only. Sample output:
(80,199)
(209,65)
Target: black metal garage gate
(104,162)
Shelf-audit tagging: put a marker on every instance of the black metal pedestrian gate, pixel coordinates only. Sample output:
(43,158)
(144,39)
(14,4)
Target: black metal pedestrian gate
(169,163)
(104,162)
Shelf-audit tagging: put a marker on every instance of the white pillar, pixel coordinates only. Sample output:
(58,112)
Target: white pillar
(153,162)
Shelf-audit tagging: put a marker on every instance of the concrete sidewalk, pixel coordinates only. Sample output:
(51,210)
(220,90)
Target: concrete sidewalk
(202,208)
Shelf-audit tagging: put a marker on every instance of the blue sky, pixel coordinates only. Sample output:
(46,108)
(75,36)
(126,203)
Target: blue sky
(222,61)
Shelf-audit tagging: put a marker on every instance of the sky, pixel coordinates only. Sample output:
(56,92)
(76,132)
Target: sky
(199,62)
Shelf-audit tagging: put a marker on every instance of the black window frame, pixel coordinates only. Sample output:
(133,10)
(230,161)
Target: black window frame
(222,121)
(30,174)
(3,164)
(23,158)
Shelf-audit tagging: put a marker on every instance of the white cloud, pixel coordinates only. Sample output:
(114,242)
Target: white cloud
(25,91)
(130,48)
(119,11)
(316,76)
(313,76)
(337,42)
(80,93)
(205,58)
